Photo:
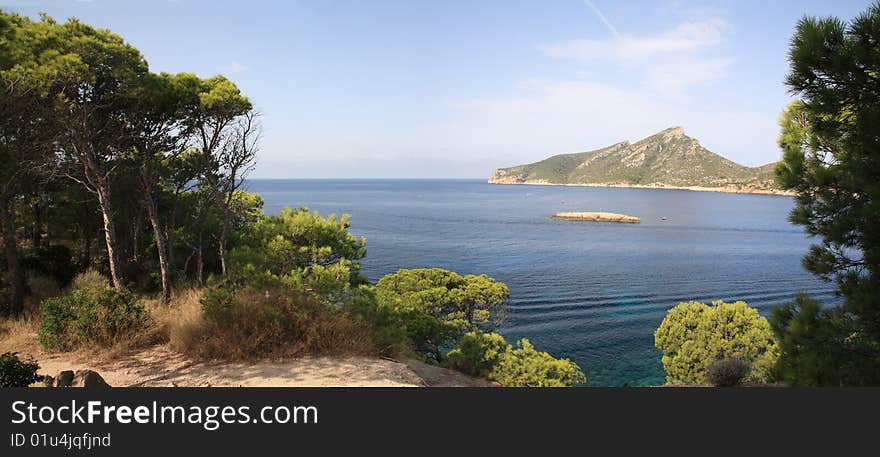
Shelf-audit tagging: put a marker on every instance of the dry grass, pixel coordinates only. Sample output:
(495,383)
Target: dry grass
(182,319)
(19,334)
(304,328)
(169,323)
(301,328)
(89,278)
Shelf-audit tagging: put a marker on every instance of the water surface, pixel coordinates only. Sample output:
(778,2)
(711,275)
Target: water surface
(591,292)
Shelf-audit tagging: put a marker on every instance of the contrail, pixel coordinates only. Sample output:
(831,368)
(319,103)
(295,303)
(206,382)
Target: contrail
(602,18)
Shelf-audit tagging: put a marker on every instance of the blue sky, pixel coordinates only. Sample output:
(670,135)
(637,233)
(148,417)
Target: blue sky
(419,89)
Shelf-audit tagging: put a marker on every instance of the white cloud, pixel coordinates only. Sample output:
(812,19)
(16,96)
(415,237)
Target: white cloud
(686,37)
(668,63)
(234,67)
(672,78)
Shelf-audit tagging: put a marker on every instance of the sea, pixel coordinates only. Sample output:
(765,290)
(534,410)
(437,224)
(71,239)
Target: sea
(590,292)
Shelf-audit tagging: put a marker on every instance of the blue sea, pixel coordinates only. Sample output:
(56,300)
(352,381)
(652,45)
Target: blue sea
(591,292)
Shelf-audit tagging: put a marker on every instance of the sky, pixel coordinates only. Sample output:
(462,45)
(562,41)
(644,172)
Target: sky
(457,88)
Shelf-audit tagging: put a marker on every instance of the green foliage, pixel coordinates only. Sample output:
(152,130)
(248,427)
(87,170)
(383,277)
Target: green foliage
(79,102)
(439,305)
(728,372)
(468,300)
(387,321)
(220,98)
(526,367)
(312,254)
(297,242)
(488,355)
(693,335)
(830,140)
(17,373)
(89,315)
(822,347)
(477,353)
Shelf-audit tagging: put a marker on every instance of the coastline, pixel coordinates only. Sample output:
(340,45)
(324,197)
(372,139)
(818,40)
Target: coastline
(725,190)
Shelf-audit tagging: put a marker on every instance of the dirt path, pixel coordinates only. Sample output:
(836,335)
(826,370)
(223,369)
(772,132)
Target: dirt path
(159,366)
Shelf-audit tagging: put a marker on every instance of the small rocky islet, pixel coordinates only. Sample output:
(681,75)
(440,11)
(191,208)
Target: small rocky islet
(597,217)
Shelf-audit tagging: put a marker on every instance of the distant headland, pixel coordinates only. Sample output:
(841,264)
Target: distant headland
(667,160)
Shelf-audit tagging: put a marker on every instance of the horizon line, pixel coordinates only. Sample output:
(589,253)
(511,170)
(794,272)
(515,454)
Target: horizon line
(367,179)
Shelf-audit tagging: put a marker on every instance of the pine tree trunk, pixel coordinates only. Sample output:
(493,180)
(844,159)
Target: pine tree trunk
(224,230)
(104,201)
(161,245)
(224,234)
(200,264)
(16,278)
(135,239)
(222,248)
(169,240)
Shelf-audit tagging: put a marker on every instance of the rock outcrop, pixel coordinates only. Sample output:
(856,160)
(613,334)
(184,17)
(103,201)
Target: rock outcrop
(597,217)
(81,378)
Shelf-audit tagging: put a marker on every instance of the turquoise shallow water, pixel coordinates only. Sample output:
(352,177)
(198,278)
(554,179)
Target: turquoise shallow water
(591,292)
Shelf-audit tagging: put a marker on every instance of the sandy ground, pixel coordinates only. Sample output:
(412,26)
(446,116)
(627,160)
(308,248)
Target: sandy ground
(160,366)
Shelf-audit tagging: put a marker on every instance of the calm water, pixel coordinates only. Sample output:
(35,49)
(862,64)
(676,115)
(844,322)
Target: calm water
(590,292)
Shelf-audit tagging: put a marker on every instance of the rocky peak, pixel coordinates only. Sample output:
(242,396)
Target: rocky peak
(673,132)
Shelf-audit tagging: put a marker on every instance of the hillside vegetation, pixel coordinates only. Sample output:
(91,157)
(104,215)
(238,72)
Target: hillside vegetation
(667,159)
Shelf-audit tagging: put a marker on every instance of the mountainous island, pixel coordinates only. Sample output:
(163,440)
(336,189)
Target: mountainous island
(669,159)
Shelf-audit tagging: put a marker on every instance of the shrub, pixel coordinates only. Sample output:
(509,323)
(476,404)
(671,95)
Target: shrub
(526,367)
(477,354)
(17,373)
(272,318)
(693,335)
(89,278)
(97,315)
(388,323)
(727,372)
(488,355)
(469,301)
(438,306)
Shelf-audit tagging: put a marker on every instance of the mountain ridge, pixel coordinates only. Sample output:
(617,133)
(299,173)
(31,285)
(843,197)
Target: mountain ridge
(668,159)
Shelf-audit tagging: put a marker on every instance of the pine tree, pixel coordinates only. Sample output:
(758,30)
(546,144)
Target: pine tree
(831,144)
